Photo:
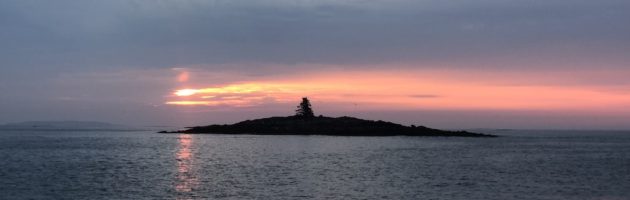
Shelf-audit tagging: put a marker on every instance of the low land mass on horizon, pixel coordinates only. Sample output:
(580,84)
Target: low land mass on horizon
(306,123)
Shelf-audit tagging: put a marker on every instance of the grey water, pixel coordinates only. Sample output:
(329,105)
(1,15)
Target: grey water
(146,165)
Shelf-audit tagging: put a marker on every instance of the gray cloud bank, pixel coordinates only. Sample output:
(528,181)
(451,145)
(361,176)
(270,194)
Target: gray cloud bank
(506,33)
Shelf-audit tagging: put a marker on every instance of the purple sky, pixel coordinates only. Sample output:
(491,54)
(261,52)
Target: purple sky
(446,64)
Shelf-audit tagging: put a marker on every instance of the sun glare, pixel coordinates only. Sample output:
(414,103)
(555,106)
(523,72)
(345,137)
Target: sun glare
(186,92)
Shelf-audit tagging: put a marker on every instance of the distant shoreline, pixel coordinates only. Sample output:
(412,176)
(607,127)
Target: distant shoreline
(67,126)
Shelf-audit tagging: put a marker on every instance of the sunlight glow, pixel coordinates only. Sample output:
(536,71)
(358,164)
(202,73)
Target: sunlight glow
(183,77)
(186,92)
(189,103)
(402,91)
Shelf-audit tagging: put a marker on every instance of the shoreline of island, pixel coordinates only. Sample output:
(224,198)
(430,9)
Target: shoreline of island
(304,122)
(340,126)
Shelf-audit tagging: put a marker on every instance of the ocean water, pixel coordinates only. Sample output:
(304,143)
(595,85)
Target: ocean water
(146,165)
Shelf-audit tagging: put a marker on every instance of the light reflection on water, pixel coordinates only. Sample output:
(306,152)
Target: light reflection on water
(186,176)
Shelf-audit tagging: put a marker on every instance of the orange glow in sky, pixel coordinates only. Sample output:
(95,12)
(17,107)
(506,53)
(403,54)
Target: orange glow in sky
(183,76)
(185,92)
(403,90)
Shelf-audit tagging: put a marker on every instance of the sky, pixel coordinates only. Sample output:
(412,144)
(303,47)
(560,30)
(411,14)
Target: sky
(535,64)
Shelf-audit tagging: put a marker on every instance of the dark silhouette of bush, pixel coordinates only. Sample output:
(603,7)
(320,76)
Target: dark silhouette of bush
(304,109)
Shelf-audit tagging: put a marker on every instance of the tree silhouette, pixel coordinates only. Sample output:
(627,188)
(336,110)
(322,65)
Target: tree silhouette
(304,109)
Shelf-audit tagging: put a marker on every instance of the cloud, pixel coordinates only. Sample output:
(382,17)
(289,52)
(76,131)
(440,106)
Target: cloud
(407,90)
(168,33)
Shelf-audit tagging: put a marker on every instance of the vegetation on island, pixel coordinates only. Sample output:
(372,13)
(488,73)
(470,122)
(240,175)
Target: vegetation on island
(304,110)
(304,122)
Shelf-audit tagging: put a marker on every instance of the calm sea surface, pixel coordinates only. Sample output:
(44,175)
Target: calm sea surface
(146,165)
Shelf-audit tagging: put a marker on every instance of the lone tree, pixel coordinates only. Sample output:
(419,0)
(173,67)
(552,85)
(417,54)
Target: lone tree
(304,109)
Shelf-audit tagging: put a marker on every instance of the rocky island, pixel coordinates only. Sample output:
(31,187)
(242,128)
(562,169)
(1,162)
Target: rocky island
(306,123)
